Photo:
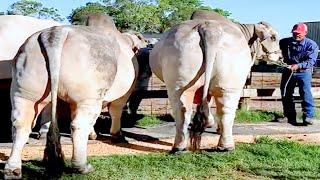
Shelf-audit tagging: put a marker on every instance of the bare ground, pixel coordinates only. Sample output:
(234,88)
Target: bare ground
(34,150)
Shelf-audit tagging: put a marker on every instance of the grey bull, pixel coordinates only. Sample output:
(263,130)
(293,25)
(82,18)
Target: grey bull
(84,66)
(201,58)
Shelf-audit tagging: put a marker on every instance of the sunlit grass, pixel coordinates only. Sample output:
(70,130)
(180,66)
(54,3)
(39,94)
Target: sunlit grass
(256,116)
(148,121)
(265,159)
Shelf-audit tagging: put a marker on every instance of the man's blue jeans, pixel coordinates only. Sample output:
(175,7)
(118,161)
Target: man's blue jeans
(303,79)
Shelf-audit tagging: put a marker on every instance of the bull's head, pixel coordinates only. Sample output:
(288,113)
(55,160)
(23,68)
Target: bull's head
(136,40)
(268,48)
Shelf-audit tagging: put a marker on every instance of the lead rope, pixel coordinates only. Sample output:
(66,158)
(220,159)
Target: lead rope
(285,87)
(282,64)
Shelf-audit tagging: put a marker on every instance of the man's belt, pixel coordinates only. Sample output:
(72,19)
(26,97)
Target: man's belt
(303,70)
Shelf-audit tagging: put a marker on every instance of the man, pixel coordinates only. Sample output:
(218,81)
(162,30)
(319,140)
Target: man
(300,53)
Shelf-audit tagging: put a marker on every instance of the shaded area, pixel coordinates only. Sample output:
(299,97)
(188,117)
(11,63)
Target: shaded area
(103,123)
(5,111)
(107,140)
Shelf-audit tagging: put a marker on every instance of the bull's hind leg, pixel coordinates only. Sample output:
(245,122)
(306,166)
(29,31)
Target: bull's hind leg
(182,111)
(115,110)
(226,102)
(23,115)
(84,115)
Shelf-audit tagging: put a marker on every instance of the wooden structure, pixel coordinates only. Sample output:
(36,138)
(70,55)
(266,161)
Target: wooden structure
(263,83)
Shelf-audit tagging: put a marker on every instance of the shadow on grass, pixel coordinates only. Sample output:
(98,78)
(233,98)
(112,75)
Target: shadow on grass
(103,123)
(166,118)
(32,169)
(276,173)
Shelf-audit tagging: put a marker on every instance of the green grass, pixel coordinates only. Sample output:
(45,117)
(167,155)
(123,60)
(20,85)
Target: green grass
(148,121)
(242,116)
(317,114)
(256,116)
(266,159)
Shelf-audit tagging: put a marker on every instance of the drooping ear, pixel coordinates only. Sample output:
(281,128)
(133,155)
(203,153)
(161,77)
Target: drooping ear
(129,39)
(135,48)
(262,30)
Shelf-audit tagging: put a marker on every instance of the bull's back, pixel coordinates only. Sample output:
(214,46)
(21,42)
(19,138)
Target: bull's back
(89,64)
(180,54)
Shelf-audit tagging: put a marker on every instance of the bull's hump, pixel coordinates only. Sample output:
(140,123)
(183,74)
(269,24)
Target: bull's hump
(190,26)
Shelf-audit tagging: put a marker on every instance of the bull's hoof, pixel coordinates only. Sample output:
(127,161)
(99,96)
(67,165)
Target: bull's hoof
(13,174)
(92,136)
(115,139)
(88,168)
(225,149)
(178,151)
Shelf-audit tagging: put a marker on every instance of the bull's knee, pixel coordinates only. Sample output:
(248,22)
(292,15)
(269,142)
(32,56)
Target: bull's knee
(78,125)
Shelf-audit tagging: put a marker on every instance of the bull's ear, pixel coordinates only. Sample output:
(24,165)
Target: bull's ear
(262,30)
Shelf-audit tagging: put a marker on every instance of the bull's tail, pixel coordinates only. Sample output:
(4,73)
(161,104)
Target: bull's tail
(52,42)
(209,38)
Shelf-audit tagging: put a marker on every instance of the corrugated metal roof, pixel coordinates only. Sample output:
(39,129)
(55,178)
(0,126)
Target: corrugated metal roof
(314,31)
(314,34)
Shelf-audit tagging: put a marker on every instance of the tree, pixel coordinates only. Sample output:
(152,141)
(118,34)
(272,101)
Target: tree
(127,14)
(77,15)
(174,11)
(137,16)
(154,16)
(35,9)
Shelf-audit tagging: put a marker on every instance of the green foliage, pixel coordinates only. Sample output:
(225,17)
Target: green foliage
(255,116)
(35,9)
(265,159)
(142,15)
(148,121)
(77,15)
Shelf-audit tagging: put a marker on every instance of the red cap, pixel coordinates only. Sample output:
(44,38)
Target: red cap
(299,28)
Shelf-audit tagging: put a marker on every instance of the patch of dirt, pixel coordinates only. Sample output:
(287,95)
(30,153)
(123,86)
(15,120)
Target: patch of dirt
(102,148)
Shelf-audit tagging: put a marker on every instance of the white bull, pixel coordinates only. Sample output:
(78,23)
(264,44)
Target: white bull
(83,66)
(14,30)
(202,58)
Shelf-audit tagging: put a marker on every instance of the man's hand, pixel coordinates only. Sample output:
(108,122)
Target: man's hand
(294,67)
